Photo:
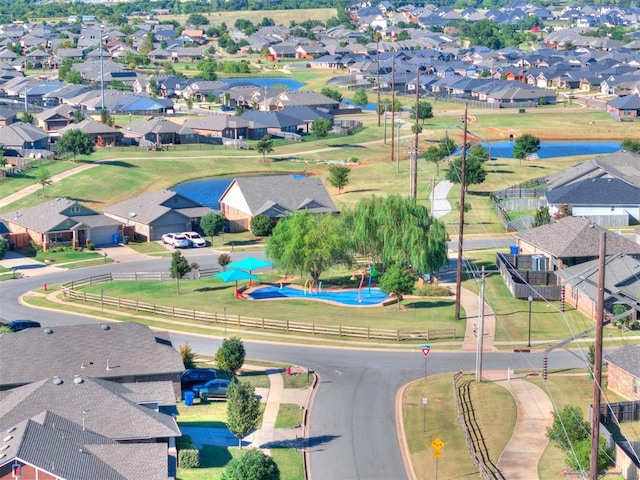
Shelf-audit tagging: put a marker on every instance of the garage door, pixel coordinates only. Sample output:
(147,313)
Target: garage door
(162,229)
(103,236)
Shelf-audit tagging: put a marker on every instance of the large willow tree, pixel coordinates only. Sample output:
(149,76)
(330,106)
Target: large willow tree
(395,229)
(308,243)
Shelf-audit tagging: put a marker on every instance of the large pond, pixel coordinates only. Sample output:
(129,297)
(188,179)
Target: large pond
(555,149)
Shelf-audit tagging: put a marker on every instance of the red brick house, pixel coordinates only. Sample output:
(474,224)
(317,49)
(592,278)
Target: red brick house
(624,371)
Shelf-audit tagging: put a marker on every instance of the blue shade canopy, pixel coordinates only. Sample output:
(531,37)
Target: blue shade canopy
(234,275)
(250,263)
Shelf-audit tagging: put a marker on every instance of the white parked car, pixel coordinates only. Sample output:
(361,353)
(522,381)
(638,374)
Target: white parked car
(195,239)
(176,240)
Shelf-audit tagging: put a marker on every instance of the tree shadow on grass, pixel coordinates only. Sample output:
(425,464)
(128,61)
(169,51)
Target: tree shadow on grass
(120,163)
(214,457)
(210,289)
(424,304)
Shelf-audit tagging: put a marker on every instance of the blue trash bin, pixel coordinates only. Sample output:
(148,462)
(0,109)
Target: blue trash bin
(188,399)
(515,250)
(116,239)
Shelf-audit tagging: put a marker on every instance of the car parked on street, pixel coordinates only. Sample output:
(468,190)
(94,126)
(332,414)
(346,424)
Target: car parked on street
(176,240)
(212,389)
(18,325)
(195,239)
(196,376)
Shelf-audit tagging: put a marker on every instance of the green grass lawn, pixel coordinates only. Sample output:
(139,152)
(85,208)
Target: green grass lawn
(289,415)
(67,259)
(212,295)
(441,421)
(26,178)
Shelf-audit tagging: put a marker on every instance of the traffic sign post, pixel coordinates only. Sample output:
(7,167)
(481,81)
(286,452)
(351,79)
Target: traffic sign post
(424,414)
(425,353)
(437,445)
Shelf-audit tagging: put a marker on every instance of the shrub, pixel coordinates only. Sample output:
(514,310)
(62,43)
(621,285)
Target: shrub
(224,259)
(428,290)
(91,246)
(188,355)
(188,458)
(261,226)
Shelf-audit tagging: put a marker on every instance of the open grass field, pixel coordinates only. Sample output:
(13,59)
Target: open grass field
(441,421)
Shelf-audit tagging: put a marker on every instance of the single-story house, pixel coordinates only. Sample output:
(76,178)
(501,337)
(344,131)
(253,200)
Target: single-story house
(276,196)
(219,125)
(156,213)
(622,285)
(59,222)
(7,117)
(624,371)
(48,445)
(20,136)
(55,118)
(158,131)
(571,241)
(625,108)
(139,353)
(605,189)
(101,135)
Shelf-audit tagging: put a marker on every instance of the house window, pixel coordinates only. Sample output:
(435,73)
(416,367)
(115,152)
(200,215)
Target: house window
(635,386)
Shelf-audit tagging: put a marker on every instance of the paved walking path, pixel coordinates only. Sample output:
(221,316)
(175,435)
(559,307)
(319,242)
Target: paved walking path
(440,206)
(519,460)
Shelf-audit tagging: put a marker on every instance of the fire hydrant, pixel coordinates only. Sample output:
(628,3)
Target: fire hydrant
(288,369)
(44,287)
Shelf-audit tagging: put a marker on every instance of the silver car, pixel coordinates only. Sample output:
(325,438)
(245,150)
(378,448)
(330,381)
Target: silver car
(176,240)
(212,389)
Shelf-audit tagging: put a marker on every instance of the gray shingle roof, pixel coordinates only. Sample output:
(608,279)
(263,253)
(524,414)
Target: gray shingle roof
(623,165)
(595,191)
(152,206)
(283,194)
(16,134)
(627,358)
(90,127)
(100,404)
(48,216)
(84,349)
(576,237)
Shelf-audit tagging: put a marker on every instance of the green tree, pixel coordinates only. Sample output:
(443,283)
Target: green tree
(212,224)
(243,409)
(78,116)
(207,68)
(403,35)
(333,93)
(476,173)
(425,110)
(339,176)
(106,118)
(541,217)
(76,142)
(251,465)
(189,103)
(579,459)
(321,127)
(630,145)
(398,281)
(525,145)
(385,106)
(308,243)
(75,77)
(396,229)
(4,246)
(147,45)
(43,177)
(264,146)
(224,259)
(27,117)
(230,355)
(261,225)
(436,153)
(179,267)
(197,20)
(360,98)
(188,355)
(568,427)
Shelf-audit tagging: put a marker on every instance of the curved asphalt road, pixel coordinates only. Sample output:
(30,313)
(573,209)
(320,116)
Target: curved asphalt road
(352,424)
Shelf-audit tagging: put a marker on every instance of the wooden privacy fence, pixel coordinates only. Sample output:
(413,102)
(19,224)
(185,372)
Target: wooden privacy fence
(71,292)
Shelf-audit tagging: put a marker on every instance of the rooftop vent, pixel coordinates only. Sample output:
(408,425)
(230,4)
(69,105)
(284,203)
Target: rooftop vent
(48,331)
(78,380)
(105,327)
(57,381)
(7,438)
(11,429)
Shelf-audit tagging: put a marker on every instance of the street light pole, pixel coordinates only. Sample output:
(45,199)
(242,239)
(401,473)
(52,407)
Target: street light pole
(101,73)
(529,299)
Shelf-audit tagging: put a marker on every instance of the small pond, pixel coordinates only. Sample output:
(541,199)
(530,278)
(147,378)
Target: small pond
(267,82)
(556,149)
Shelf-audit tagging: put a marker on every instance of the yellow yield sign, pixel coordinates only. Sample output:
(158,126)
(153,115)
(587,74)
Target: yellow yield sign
(437,444)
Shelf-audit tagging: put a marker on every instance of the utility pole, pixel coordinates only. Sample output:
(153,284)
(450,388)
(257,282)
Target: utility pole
(101,73)
(378,82)
(414,156)
(597,364)
(393,101)
(463,187)
(480,331)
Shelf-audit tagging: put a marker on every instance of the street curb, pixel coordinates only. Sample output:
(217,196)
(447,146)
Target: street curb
(306,464)
(400,432)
